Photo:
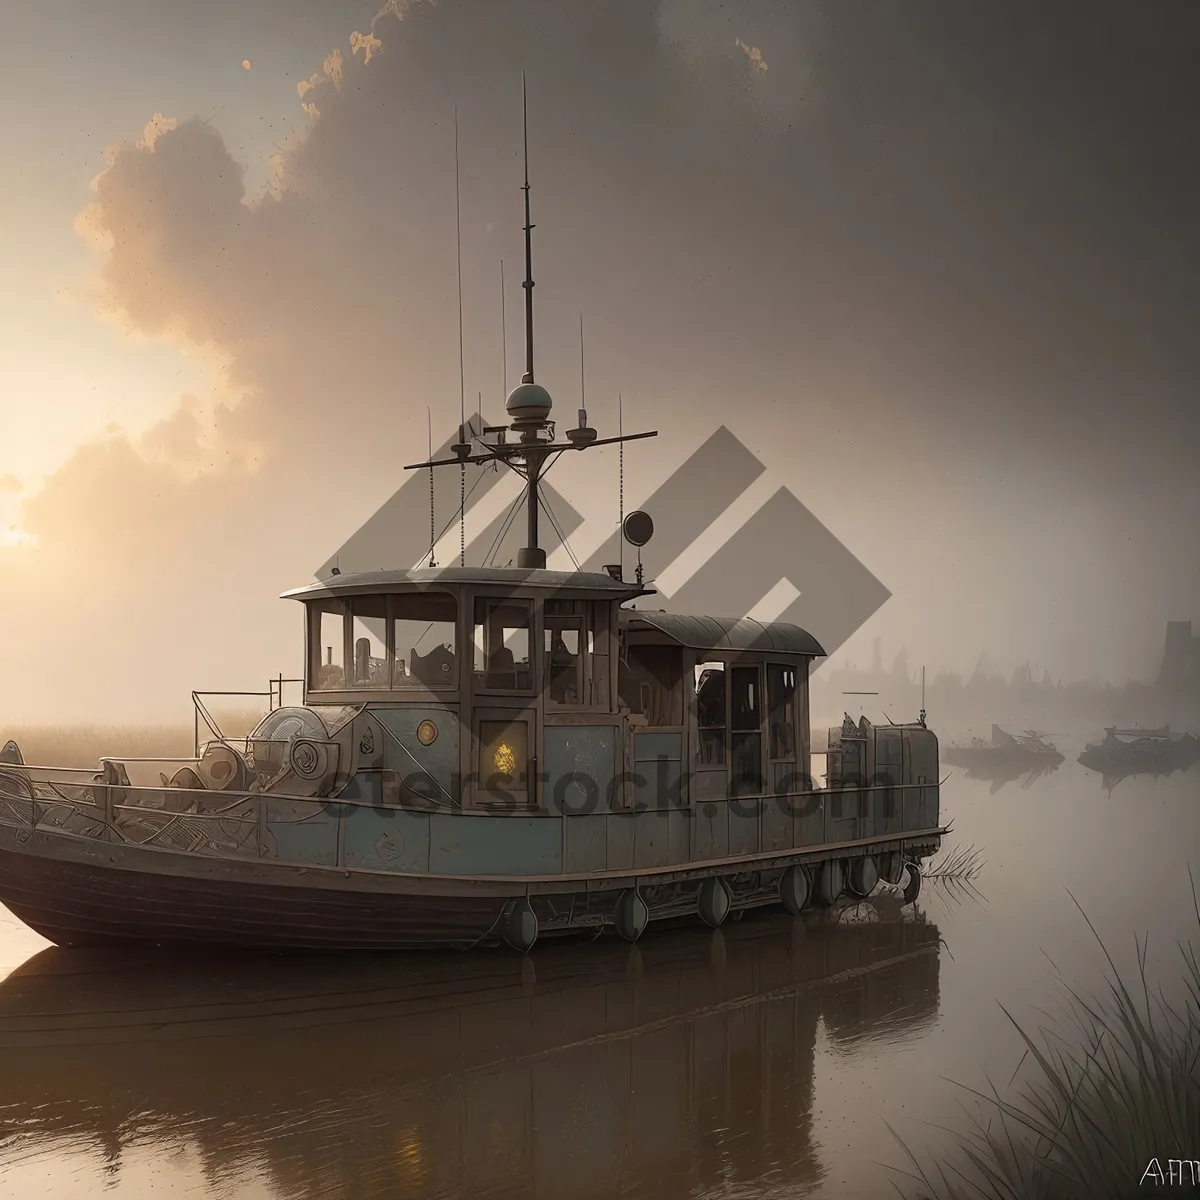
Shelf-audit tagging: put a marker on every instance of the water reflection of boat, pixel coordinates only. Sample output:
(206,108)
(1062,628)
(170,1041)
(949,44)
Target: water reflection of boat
(1006,758)
(451,1076)
(1125,752)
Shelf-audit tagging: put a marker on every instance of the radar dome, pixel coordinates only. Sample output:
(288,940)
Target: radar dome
(529,402)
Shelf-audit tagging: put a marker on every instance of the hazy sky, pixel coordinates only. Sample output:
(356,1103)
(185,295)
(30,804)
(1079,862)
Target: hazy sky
(935,263)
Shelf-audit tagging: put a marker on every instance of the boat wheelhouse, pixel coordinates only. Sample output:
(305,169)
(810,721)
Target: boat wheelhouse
(482,754)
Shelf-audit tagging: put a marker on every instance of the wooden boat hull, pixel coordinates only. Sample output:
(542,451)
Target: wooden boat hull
(80,892)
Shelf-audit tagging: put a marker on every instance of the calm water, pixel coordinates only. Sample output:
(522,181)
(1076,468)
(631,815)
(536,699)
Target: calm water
(765,1060)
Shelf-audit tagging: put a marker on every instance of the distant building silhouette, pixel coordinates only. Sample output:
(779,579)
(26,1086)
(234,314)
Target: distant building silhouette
(1028,698)
(1180,674)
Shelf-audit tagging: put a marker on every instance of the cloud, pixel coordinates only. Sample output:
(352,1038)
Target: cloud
(724,260)
(398,9)
(331,70)
(753,53)
(329,303)
(368,43)
(155,128)
(10,484)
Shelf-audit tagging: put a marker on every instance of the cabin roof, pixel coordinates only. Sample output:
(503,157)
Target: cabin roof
(726,633)
(366,582)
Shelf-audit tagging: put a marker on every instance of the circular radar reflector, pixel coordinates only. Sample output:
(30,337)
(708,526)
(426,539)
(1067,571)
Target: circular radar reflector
(638,528)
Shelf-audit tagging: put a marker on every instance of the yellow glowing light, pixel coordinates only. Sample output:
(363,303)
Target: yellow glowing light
(505,760)
(246,63)
(427,733)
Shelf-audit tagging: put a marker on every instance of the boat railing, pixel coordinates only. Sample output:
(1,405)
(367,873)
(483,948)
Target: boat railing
(342,832)
(200,712)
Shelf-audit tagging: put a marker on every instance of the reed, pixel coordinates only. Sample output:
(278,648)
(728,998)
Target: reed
(1114,1088)
(83,745)
(961,864)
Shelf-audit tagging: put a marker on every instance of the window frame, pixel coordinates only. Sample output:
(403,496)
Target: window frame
(315,610)
(352,602)
(775,665)
(534,628)
(756,666)
(483,798)
(452,683)
(351,692)
(563,622)
(699,666)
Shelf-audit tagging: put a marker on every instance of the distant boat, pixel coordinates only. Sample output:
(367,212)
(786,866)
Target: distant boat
(1007,754)
(1137,751)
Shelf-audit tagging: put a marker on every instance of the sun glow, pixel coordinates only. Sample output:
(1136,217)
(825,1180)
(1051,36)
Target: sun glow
(15,536)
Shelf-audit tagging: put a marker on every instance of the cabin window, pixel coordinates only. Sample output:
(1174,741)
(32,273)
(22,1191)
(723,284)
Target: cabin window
(598,656)
(781,709)
(651,683)
(368,639)
(503,645)
(745,727)
(423,640)
(327,623)
(563,659)
(503,755)
(710,714)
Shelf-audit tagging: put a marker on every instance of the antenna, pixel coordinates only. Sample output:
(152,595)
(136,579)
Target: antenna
(432,525)
(921,718)
(620,484)
(528,406)
(462,375)
(503,335)
(528,284)
(582,382)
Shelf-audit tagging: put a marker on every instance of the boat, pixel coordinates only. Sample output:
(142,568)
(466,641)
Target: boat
(1007,756)
(1137,751)
(443,1075)
(482,755)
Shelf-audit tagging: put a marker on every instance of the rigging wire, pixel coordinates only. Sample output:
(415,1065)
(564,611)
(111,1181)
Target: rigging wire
(562,536)
(432,523)
(504,528)
(621,486)
(462,377)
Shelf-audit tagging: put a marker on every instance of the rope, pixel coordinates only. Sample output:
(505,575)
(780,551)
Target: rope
(558,529)
(503,530)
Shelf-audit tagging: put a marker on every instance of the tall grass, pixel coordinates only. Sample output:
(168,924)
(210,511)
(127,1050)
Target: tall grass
(84,745)
(1115,1086)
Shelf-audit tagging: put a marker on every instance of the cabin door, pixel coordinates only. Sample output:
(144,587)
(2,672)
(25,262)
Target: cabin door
(505,766)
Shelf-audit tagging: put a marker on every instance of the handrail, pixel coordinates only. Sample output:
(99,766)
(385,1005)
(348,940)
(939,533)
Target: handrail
(238,797)
(274,689)
(16,768)
(213,824)
(129,758)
